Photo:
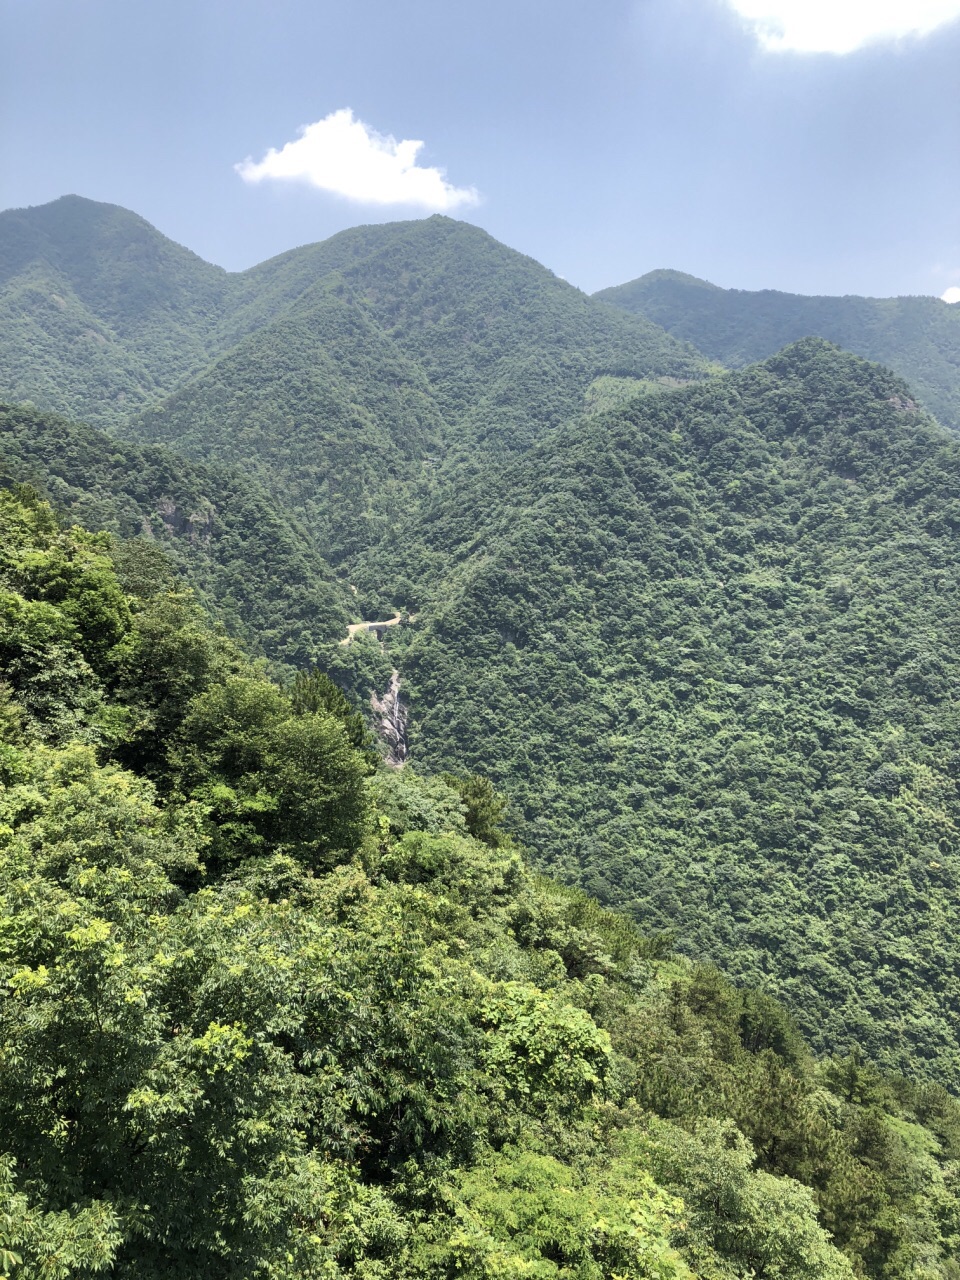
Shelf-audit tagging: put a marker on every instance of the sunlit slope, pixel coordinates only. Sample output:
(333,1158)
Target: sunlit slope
(393,349)
(709,644)
(917,337)
(99,312)
(274,1009)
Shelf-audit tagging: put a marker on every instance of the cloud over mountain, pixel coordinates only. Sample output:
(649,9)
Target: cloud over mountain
(345,156)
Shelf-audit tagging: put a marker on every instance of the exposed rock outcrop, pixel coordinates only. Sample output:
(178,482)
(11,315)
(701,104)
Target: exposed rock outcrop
(391,721)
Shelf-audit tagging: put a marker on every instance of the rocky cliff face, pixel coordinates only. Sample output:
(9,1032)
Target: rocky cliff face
(390,721)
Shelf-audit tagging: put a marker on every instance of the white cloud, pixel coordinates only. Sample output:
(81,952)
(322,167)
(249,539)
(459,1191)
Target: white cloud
(345,156)
(841,26)
(952,294)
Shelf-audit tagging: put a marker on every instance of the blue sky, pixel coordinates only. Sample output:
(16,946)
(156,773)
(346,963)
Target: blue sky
(604,139)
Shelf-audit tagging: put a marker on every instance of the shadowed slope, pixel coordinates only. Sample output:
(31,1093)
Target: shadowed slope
(251,565)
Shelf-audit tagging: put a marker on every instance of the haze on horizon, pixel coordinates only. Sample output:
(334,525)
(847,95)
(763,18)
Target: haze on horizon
(755,143)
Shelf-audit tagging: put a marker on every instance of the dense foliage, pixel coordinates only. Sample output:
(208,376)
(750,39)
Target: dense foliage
(99,313)
(324,410)
(266,1012)
(917,337)
(707,645)
(249,562)
(340,374)
(710,672)
(269,1008)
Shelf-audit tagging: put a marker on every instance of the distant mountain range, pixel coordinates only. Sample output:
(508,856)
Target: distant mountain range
(701,626)
(341,373)
(919,338)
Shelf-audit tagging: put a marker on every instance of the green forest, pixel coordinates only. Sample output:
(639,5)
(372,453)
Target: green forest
(249,562)
(270,1008)
(919,338)
(707,645)
(640,960)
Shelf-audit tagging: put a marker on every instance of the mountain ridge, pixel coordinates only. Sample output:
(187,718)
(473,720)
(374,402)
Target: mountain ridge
(687,637)
(915,335)
(588,587)
(400,343)
(481,351)
(123,280)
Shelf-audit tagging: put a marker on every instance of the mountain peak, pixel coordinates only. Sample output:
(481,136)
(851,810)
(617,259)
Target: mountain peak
(101,248)
(663,276)
(919,338)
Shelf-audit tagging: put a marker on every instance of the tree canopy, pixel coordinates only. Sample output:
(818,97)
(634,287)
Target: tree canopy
(268,1013)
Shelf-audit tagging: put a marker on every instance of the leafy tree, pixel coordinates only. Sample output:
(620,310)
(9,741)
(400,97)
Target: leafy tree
(270,779)
(483,808)
(313,692)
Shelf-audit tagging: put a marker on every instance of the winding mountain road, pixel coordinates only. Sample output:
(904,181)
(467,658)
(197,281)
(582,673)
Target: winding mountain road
(354,627)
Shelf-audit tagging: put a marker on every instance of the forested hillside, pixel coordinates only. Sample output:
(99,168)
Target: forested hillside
(271,1010)
(340,374)
(646,640)
(707,645)
(919,338)
(99,313)
(326,411)
(399,345)
(251,565)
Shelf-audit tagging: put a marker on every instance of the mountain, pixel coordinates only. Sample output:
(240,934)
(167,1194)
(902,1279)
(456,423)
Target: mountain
(701,628)
(249,562)
(397,347)
(272,1007)
(270,1010)
(919,338)
(706,644)
(99,313)
(341,374)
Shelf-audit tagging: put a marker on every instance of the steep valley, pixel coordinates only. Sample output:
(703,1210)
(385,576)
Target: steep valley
(596,913)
